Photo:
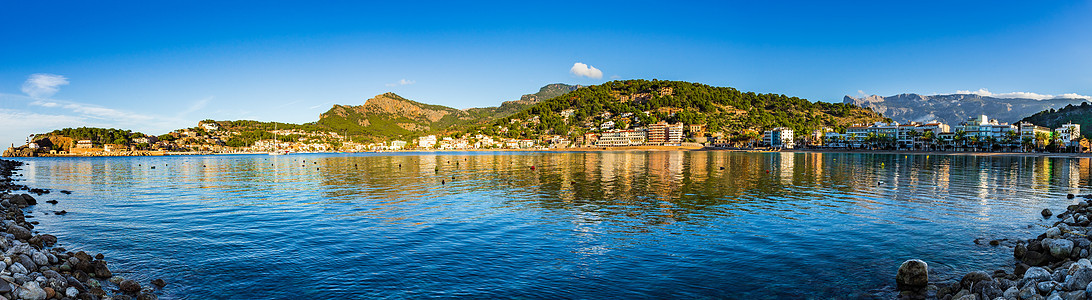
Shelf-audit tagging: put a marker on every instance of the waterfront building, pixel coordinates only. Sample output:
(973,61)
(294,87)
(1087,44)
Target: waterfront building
(662,133)
(1068,135)
(398,145)
(615,138)
(426,142)
(780,137)
(1031,132)
(84,144)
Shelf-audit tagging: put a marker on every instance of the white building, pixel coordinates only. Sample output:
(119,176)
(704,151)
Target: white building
(1069,134)
(426,142)
(397,145)
(607,125)
(615,138)
(780,137)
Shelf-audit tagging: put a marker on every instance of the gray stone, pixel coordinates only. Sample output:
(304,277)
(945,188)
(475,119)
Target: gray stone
(1011,293)
(31,291)
(1079,279)
(1037,274)
(972,278)
(1074,295)
(1053,232)
(129,286)
(1060,248)
(71,292)
(40,259)
(967,297)
(17,268)
(1046,286)
(76,283)
(27,262)
(5,287)
(1054,297)
(19,232)
(912,274)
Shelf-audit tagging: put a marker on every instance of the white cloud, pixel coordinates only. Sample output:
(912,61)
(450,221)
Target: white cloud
(861,93)
(615,77)
(1027,95)
(402,82)
(580,69)
(18,124)
(43,85)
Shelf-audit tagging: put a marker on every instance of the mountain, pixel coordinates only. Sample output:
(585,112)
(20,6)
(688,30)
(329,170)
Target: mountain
(390,115)
(637,103)
(955,108)
(508,108)
(1078,114)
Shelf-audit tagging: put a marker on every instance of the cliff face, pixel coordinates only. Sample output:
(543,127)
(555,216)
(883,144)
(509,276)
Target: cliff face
(955,108)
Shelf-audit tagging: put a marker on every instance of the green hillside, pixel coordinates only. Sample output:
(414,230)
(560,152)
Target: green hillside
(1078,114)
(633,103)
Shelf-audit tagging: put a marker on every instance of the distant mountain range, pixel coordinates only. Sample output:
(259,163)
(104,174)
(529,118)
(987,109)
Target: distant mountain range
(391,115)
(955,108)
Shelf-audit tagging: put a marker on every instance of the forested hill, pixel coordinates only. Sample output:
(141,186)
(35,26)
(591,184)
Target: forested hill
(635,103)
(1078,114)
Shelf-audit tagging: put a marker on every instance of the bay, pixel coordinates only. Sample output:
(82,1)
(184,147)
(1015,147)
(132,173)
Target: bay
(625,224)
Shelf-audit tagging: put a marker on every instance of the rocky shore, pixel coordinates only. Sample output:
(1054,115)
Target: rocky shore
(34,268)
(1053,266)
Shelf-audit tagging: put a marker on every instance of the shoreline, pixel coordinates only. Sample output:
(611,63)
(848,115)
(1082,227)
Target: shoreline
(1052,265)
(33,267)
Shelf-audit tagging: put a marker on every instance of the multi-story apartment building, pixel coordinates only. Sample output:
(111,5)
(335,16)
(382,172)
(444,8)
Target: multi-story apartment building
(629,137)
(780,137)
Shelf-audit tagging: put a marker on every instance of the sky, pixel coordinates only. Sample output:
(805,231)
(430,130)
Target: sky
(155,66)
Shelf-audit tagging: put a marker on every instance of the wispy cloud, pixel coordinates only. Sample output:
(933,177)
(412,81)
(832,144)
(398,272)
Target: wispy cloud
(581,69)
(401,82)
(197,105)
(91,110)
(615,77)
(43,85)
(1027,95)
(17,124)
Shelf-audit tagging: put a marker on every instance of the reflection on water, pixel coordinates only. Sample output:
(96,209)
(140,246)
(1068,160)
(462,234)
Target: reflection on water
(628,224)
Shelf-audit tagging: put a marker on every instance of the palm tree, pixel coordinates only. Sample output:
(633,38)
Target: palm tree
(1041,139)
(960,137)
(928,136)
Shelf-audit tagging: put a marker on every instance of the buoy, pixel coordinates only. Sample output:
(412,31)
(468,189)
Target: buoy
(442,182)
(532,168)
(153,167)
(722,168)
(452,177)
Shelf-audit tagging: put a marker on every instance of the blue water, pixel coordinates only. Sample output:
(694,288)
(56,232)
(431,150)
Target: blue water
(658,224)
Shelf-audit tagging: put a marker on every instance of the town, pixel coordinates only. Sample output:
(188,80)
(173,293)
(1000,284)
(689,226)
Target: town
(979,134)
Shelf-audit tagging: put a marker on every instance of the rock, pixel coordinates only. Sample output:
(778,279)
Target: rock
(912,274)
(1046,213)
(31,291)
(1074,295)
(159,282)
(1028,291)
(1011,293)
(17,268)
(5,287)
(82,256)
(1080,264)
(1053,232)
(1037,274)
(1079,279)
(48,239)
(987,289)
(147,296)
(1020,269)
(967,297)
(1060,248)
(974,277)
(29,200)
(99,256)
(19,232)
(1019,251)
(100,269)
(27,262)
(129,286)
(49,292)
(40,259)
(1046,286)
(71,292)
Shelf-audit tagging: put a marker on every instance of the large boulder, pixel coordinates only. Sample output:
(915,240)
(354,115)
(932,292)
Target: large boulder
(1060,248)
(19,232)
(31,291)
(912,274)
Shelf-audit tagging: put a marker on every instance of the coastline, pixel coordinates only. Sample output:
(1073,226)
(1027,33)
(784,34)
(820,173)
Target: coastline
(34,268)
(1052,265)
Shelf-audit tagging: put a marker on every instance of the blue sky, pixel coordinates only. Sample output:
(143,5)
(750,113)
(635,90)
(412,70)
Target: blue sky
(157,66)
